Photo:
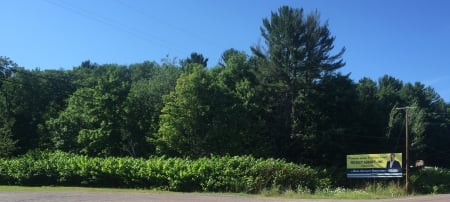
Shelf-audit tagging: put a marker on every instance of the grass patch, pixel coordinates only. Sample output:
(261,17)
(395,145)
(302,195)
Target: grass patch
(369,191)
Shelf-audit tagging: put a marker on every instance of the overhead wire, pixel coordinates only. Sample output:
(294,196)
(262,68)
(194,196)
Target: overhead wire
(145,14)
(118,26)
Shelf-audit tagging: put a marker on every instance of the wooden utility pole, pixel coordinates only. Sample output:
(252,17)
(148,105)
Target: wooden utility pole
(406,147)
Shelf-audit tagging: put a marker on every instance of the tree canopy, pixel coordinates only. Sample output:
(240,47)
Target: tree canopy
(286,100)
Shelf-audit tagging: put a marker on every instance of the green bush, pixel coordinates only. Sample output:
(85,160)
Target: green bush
(212,174)
(431,180)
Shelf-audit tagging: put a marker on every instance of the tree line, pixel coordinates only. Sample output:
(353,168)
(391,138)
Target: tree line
(287,100)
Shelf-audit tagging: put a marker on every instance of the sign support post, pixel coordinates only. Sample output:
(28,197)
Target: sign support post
(406,148)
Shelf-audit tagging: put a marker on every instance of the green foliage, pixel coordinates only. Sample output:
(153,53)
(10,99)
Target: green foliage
(368,191)
(431,180)
(184,117)
(298,76)
(212,112)
(7,143)
(212,174)
(194,58)
(287,102)
(144,103)
(7,68)
(93,119)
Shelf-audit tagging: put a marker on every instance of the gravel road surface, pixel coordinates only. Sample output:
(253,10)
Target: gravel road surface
(88,196)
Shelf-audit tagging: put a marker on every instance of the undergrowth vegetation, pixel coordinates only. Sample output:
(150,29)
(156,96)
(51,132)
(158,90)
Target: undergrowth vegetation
(213,174)
(431,180)
(368,191)
(241,174)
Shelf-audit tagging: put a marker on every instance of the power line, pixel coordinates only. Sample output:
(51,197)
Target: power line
(118,26)
(179,29)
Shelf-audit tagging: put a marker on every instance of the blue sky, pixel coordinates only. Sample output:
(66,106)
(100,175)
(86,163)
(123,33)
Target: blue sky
(408,39)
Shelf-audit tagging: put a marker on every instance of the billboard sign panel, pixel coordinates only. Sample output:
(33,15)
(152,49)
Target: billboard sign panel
(386,165)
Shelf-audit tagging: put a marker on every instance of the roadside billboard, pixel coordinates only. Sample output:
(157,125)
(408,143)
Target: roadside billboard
(386,165)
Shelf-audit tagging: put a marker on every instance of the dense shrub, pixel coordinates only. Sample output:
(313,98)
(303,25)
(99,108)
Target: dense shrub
(216,174)
(431,180)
